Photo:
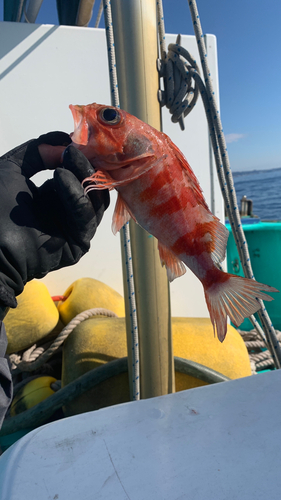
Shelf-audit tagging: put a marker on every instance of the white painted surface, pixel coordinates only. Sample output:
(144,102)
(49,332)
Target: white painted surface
(219,442)
(45,68)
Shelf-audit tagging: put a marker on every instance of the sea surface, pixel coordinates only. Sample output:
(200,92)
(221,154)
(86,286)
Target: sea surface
(263,187)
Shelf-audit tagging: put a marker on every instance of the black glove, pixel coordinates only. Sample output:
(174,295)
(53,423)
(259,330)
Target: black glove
(45,228)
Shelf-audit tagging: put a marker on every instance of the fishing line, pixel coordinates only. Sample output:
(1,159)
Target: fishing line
(125,230)
(177,67)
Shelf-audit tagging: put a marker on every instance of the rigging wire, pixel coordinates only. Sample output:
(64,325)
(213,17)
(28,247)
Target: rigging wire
(218,142)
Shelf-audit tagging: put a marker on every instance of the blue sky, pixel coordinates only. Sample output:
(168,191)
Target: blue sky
(248,40)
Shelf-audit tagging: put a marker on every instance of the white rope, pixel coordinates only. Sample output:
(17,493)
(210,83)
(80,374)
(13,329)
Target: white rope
(34,357)
(183,62)
(226,182)
(125,229)
(260,357)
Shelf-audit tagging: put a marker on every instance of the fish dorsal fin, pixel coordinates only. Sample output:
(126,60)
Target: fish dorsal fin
(217,231)
(121,215)
(174,266)
(192,179)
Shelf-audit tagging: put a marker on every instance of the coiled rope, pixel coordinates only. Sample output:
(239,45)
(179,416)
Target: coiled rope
(126,231)
(34,357)
(185,69)
(179,96)
(260,358)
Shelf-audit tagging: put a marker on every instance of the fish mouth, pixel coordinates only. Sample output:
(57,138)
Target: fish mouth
(81,128)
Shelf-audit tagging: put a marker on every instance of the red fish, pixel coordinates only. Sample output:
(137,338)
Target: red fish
(158,189)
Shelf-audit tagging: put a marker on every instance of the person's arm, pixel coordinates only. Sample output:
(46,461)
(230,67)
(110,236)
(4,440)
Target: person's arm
(41,228)
(6,386)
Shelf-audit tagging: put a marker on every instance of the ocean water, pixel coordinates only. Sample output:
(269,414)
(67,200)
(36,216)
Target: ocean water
(263,187)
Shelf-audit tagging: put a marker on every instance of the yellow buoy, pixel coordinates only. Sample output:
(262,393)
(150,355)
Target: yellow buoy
(99,340)
(35,317)
(31,394)
(88,293)
(93,343)
(193,339)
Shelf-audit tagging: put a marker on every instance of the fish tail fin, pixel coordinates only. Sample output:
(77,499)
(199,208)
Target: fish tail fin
(236,297)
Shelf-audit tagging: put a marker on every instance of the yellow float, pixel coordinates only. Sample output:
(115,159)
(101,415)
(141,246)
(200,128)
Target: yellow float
(31,394)
(33,319)
(88,293)
(99,340)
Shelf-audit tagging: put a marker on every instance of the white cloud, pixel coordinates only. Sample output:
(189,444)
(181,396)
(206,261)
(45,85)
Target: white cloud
(233,137)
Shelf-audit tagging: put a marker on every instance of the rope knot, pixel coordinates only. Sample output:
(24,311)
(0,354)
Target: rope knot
(180,94)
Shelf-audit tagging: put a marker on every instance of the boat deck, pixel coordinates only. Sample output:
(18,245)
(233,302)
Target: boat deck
(215,442)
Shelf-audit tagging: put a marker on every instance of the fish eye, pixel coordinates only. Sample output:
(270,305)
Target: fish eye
(110,116)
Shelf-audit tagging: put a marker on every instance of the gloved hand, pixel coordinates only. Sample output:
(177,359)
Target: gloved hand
(48,227)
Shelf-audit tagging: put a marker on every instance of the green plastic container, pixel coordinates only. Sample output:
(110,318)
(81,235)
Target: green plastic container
(264,242)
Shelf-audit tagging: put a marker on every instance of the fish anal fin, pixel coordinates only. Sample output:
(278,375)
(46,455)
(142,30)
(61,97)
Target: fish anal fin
(174,266)
(219,234)
(236,297)
(121,215)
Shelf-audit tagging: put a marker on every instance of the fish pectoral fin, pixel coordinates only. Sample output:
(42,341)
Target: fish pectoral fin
(174,266)
(99,180)
(123,160)
(103,180)
(121,215)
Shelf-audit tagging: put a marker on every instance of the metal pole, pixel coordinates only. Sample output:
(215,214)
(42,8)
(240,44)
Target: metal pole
(135,36)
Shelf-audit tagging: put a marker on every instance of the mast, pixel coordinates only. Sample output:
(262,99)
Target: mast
(135,37)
